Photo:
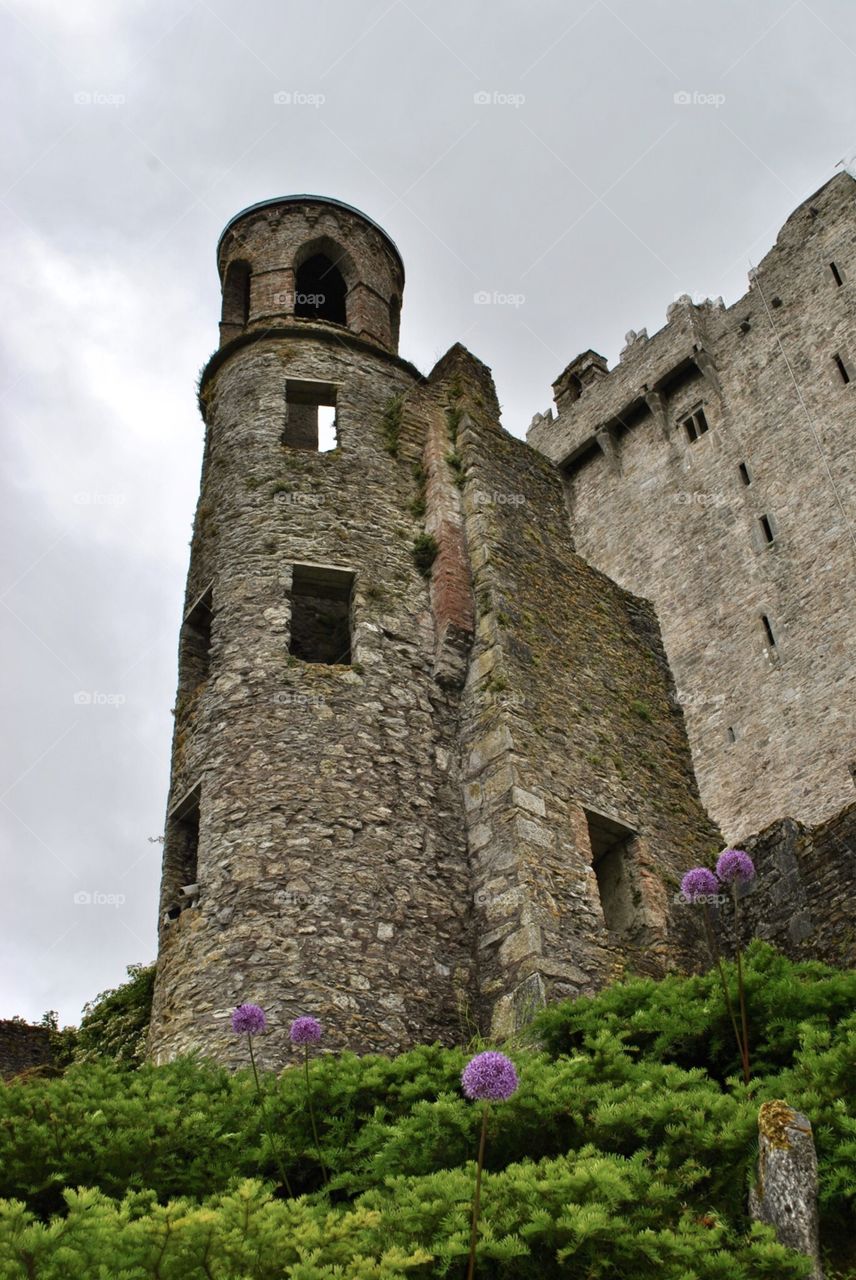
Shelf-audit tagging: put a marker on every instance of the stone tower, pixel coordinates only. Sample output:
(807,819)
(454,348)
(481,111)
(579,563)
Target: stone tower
(428,765)
(713,471)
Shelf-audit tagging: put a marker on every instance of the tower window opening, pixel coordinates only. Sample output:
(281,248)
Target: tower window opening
(731,734)
(321,614)
(310,416)
(394,318)
(842,367)
(768,631)
(744,474)
(320,291)
(767,529)
(613,847)
(181,855)
(196,641)
(236,294)
(695,424)
(837,274)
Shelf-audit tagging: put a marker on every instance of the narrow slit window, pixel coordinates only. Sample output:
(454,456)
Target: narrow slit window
(321,615)
(842,367)
(310,416)
(196,641)
(767,529)
(695,424)
(731,734)
(768,631)
(181,856)
(837,275)
(744,474)
(613,849)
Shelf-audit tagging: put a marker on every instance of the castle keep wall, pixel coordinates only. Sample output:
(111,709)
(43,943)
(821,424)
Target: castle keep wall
(569,721)
(759,633)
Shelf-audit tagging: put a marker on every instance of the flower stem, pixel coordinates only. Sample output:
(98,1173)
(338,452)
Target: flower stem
(717,959)
(312,1113)
(744,1020)
(266,1120)
(471,1266)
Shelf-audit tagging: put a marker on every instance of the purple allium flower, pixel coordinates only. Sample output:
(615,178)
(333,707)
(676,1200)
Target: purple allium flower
(733,865)
(248,1019)
(489,1076)
(699,883)
(305,1031)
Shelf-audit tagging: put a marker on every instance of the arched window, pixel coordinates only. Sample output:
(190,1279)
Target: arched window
(320,290)
(236,294)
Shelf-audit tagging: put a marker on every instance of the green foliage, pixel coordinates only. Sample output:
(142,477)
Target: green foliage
(425,552)
(641,709)
(621,1154)
(115,1023)
(63,1040)
(684,1021)
(391,424)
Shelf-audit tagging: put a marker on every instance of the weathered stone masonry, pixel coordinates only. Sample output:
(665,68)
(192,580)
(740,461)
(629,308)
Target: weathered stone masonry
(430,767)
(742,535)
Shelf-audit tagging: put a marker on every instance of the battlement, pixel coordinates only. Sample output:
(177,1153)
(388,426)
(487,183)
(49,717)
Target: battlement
(710,470)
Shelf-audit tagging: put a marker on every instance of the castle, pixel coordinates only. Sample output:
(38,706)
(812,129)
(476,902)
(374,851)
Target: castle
(455,712)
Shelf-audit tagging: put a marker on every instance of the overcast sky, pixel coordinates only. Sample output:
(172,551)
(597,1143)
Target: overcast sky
(543,153)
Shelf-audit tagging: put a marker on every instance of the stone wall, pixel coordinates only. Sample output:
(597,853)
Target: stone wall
(802,897)
(771,724)
(332,862)
(569,717)
(22,1047)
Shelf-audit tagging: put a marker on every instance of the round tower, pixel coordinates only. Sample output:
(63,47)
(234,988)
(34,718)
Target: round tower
(314,856)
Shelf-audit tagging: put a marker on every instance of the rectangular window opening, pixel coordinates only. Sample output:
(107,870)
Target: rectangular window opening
(768,631)
(613,847)
(321,615)
(836,274)
(767,529)
(181,854)
(731,734)
(695,424)
(310,416)
(842,368)
(744,473)
(196,641)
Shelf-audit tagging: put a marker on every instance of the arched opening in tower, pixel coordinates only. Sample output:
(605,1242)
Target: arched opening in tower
(236,294)
(320,291)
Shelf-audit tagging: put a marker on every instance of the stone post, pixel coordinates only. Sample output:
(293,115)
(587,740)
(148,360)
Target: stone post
(785,1195)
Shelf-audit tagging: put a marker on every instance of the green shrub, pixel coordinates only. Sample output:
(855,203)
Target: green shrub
(620,1154)
(425,551)
(115,1023)
(391,424)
